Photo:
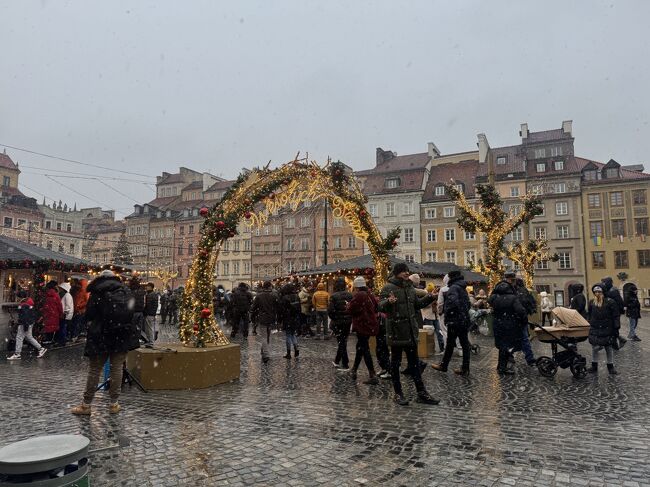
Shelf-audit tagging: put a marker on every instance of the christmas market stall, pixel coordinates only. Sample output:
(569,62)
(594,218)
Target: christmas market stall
(26,267)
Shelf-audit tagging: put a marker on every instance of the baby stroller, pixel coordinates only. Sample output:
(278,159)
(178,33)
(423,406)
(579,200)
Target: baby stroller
(569,329)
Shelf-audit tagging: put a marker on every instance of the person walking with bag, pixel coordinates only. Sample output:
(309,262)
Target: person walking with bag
(399,302)
(341,320)
(363,309)
(264,312)
(111,334)
(26,320)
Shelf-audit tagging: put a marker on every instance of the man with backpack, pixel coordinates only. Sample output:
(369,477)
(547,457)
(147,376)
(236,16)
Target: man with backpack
(111,334)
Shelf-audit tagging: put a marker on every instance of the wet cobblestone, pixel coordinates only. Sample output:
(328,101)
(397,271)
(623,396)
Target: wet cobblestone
(298,422)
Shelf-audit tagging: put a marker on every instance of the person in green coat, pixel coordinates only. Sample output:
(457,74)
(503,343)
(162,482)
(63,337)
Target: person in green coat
(401,305)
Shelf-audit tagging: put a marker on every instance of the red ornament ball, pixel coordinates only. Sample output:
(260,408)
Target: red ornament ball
(272,196)
(204,211)
(221,224)
(205,313)
(394,243)
(248,214)
(195,327)
(232,234)
(363,213)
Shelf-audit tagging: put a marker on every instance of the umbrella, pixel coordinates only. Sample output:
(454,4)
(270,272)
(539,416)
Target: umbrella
(570,317)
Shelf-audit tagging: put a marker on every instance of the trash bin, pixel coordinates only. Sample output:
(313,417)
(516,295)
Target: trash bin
(46,461)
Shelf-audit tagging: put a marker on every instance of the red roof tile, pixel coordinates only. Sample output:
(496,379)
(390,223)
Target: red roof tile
(375,183)
(626,174)
(399,163)
(6,162)
(461,172)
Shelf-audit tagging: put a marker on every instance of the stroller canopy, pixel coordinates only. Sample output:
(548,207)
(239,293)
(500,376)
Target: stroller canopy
(570,317)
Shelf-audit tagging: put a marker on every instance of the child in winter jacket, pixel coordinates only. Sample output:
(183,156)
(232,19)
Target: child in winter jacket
(26,320)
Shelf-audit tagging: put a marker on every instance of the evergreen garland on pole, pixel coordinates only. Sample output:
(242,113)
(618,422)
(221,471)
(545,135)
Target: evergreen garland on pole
(121,253)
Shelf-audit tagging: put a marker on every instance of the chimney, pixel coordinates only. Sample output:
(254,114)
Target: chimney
(523,132)
(567,127)
(483,148)
(432,150)
(384,155)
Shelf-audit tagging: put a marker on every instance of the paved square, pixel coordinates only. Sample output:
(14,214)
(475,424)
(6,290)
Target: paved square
(298,422)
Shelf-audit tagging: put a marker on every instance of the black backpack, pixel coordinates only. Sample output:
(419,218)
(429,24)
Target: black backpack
(117,309)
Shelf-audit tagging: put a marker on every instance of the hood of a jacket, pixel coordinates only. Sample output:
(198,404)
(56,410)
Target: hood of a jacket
(503,287)
(65,286)
(288,289)
(608,283)
(445,280)
(103,284)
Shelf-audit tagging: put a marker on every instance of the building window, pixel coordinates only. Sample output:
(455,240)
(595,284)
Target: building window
(180,248)
(247,267)
(390,209)
(515,209)
(591,175)
(561,208)
(537,189)
(563,231)
(431,235)
(539,153)
(559,188)
(431,256)
(598,260)
(190,229)
(408,235)
(338,242)
(408,208)
(291,222)
(71,247)
(641,226)
(450,256)
(450,234)
(593,200)
(639,197)
(565,260)
(470,257)
(540,233)
(304,244)
(59,226)
(543,208)
(616,198)
(556,151)
(559,165)
(449,211)
(470,235)
(225,268)
(514,191)
(372,209)
(596,229)
(541,167)
(612,173)
(440,190)
(181,230)
(501,160)
(352,242)
(410,258)
(618,228)
(6,181)
(48,225)
(8,222)
(305,221)
(643,256)
(190,249)
(517,234)
(392,183)
(338,222)
(620,259)
(430,213)
(290,245)
(68,227)
(541,264)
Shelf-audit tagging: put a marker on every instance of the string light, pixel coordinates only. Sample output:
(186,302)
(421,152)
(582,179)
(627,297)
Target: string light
(527,254)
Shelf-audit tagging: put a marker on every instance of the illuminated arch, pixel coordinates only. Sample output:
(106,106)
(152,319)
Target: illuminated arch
(254,197)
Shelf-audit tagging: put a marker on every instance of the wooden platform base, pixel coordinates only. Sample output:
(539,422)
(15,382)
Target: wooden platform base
(175,366)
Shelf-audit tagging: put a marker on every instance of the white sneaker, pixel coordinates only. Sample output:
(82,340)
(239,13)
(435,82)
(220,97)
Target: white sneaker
(42,352)
(335,365)
(343,369)
(14,357)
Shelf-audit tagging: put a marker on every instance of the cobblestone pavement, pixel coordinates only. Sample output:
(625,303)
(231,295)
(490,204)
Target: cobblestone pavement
(298,422)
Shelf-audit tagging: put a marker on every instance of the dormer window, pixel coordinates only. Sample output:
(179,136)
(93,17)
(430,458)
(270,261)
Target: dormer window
(459,187)
(591,175)
(392,183)
(501,160)
(612,173)
(559,165)
(440,190)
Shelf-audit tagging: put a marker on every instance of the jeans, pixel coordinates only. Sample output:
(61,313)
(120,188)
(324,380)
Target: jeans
(525,346)
(321,318)
(363,352)
(292,339)
(22,334)
(342,350)
(149,329)
(504,357)
(305,324)
(452,334)
(436,328)
(266,343)
(609,352)
(633,323)
(411,363)
(96,365)
(62,334)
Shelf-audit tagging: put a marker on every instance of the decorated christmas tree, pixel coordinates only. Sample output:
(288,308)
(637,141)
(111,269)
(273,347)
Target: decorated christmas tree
(492,220)
(527,254)
(121,253)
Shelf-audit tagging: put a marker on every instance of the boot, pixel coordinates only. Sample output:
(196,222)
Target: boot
(288,355)
(439,367)
(400,399)
(611,369)
(594,368)
(296,351)
(82,410)
(463,372)
(425,398)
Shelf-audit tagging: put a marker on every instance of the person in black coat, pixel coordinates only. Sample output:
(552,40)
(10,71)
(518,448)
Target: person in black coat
(240,300)
(456,310)
(603,333)
(106,339)
(612,293)
(530,305)
(264,312)
(290,317)
(341,320)
(578,300)
(509,315)
(632,311)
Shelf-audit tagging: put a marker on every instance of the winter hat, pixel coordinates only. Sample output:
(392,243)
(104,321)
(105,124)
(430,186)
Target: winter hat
(321,286)
(65,286)
(359,282)
(415,279)
(430,287)
(510,275)
(106,273)
(543,294)
(597,288)
(399,268)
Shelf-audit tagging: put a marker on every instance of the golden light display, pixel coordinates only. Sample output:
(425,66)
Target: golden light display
(254,197)
(493,221)
(527,254)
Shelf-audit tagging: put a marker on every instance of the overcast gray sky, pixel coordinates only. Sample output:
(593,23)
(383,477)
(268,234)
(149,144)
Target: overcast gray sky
(148,86)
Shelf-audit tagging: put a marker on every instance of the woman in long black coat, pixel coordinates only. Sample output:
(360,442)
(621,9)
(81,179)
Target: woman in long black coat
(603,332)
(509,314)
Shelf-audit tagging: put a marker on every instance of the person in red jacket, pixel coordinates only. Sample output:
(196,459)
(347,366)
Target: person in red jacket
(363,309)
(52,310)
